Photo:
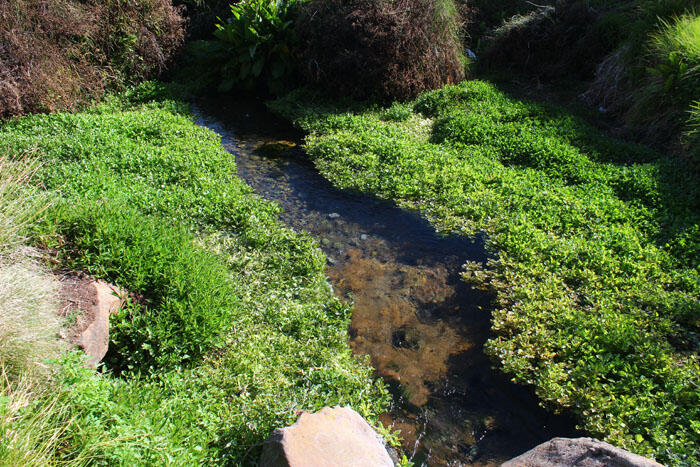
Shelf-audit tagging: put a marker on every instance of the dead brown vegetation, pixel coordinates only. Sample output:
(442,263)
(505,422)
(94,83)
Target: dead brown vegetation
(380,48)
(58,54)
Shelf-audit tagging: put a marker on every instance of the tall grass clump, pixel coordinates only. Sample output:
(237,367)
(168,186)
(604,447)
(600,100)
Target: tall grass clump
(672,80)
(692,134)
(20,203)
(31,425)
(550,41)
(29,327)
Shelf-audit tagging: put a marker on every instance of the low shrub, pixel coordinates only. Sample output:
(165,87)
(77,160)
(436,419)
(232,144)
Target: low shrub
(185,298)
(379,48)
(552,41)
(593,240)
(253,47)
(61,54)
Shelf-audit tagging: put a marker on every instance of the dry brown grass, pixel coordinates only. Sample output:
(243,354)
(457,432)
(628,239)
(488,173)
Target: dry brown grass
(380,48)
(59,54)
(29,328)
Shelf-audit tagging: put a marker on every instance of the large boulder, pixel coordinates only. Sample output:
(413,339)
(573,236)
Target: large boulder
(88,303)
(336,436)
(583,452)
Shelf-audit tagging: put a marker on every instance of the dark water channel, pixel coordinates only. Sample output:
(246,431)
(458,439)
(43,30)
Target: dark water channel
(423,327)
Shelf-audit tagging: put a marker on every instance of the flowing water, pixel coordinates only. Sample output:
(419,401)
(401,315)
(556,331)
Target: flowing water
(423,327)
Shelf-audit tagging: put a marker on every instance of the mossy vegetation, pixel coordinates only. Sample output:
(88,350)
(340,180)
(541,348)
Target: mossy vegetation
(231,326)
(594,244)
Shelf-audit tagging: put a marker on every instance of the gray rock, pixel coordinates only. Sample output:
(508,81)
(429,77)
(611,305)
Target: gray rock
(583,452)
(336,436)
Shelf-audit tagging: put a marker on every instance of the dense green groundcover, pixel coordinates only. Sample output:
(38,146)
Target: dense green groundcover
(595,246)
(232,326)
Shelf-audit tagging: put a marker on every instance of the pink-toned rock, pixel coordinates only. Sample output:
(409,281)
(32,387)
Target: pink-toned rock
(579,452)
(94,340)
(93,301)
(336,436)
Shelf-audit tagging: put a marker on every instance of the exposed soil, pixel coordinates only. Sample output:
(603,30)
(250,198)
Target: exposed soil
(78,303)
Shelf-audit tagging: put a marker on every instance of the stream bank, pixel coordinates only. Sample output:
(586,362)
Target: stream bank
(421,325)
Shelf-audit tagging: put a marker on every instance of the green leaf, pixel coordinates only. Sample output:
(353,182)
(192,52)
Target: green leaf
(258,66)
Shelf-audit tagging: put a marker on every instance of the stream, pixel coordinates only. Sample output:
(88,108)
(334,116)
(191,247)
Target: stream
(422,326)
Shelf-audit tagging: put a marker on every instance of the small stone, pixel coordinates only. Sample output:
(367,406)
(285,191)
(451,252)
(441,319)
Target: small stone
(333,215)
(336,436)
(279,148)
(580,452)
(490,423)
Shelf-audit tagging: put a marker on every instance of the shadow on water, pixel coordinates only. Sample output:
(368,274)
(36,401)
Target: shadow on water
(423,327)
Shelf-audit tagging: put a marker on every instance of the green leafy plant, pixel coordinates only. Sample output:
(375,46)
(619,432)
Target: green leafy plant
(593,242)
(692,135)
(254,45)
(231,326)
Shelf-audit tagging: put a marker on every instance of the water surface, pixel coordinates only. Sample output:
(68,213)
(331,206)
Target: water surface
(423,327)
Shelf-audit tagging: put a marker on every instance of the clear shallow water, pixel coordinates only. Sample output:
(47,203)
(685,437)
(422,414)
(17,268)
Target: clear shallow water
(423,327)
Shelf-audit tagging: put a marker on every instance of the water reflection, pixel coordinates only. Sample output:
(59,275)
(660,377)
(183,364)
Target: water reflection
(423,327)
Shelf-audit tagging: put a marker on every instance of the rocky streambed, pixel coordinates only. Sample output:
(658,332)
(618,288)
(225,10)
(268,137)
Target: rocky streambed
(423,327)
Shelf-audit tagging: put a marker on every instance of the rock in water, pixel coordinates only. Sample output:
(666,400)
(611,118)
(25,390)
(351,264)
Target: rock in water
(279,148)
(336,436)
(583,452)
